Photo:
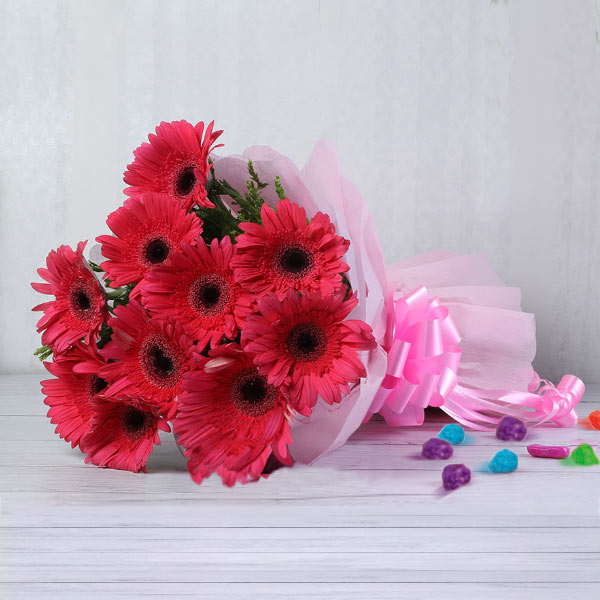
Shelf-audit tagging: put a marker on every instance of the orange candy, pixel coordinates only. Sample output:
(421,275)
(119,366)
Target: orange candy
(594,419)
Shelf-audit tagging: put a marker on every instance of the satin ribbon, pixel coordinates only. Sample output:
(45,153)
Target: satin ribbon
(423,359)
(483,410)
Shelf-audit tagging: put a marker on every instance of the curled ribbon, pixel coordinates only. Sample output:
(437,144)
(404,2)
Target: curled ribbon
(483,410)
(423,360)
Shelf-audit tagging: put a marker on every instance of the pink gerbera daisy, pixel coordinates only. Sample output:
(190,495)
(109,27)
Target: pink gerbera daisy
(150,357)
(198,290)
(70,395)
(175,162)
(122,434)
(230,418)
(287,252)
(148,230)
(304,344)
(80,305)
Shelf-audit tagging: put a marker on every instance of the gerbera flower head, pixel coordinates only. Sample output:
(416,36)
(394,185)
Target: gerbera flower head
(198,290)
(306,344)
(174,162)
(79,308)
(70,395)
(287,252)
(148,230)
(122,434)
(230,418)
(150,358)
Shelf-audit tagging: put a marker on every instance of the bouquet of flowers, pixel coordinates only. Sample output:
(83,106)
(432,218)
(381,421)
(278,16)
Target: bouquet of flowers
(246,306)
(227,319)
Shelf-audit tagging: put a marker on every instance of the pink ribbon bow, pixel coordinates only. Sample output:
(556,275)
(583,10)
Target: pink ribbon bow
(423,360)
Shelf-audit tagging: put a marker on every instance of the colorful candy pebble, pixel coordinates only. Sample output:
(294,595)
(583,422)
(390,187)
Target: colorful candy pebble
(584,455)
(511,429)
(452,433)
(548,451)
(455,476)
(594,419)
(437,449)
(504,461)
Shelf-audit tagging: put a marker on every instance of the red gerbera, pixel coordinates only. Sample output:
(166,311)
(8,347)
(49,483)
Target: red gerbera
(122,434)
(304,344)
(151,356)
(80,305)
(149,230)
(286,252)
(230,418)
(70,395)
(175,162)
(198,290)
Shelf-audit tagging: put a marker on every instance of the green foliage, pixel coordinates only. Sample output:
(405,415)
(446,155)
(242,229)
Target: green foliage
(95,267)
(43,353)
(105,335)
(346,282)
(279,188)
(120,296)
(219,221)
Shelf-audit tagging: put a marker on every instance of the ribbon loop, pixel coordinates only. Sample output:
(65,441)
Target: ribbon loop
(422,371)
(422,360)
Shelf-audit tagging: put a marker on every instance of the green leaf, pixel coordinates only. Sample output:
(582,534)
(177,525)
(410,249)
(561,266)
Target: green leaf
(105,335)
(254,176)
(95,267)
(43,352)
(279,188)
(346,282)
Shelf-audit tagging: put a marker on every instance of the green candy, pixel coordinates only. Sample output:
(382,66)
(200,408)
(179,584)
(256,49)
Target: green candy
(584,455)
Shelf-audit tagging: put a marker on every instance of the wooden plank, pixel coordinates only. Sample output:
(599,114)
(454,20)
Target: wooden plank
(162,540)
(373,513)
(495,590)
(356,457)
(313,566)
(301,483)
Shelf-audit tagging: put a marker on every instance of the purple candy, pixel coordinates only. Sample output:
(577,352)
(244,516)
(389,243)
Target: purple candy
(455,476)
(511,429)
(435,448)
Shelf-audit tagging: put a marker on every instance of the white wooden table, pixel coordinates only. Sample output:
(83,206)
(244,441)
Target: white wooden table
(369,521)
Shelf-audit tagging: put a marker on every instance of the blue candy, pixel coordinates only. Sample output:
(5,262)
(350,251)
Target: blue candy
(504,461)
(452,433)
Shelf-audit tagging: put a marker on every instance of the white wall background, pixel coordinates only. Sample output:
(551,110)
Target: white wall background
(473,126)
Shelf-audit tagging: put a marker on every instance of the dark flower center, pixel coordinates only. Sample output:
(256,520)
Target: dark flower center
(97,384)
(251,393)
(254,390)
(162,363)
(81,301)
(158,363)
(157,251)
(209,295)
(306,342)
(294,261)
(135,422)
(186,180)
